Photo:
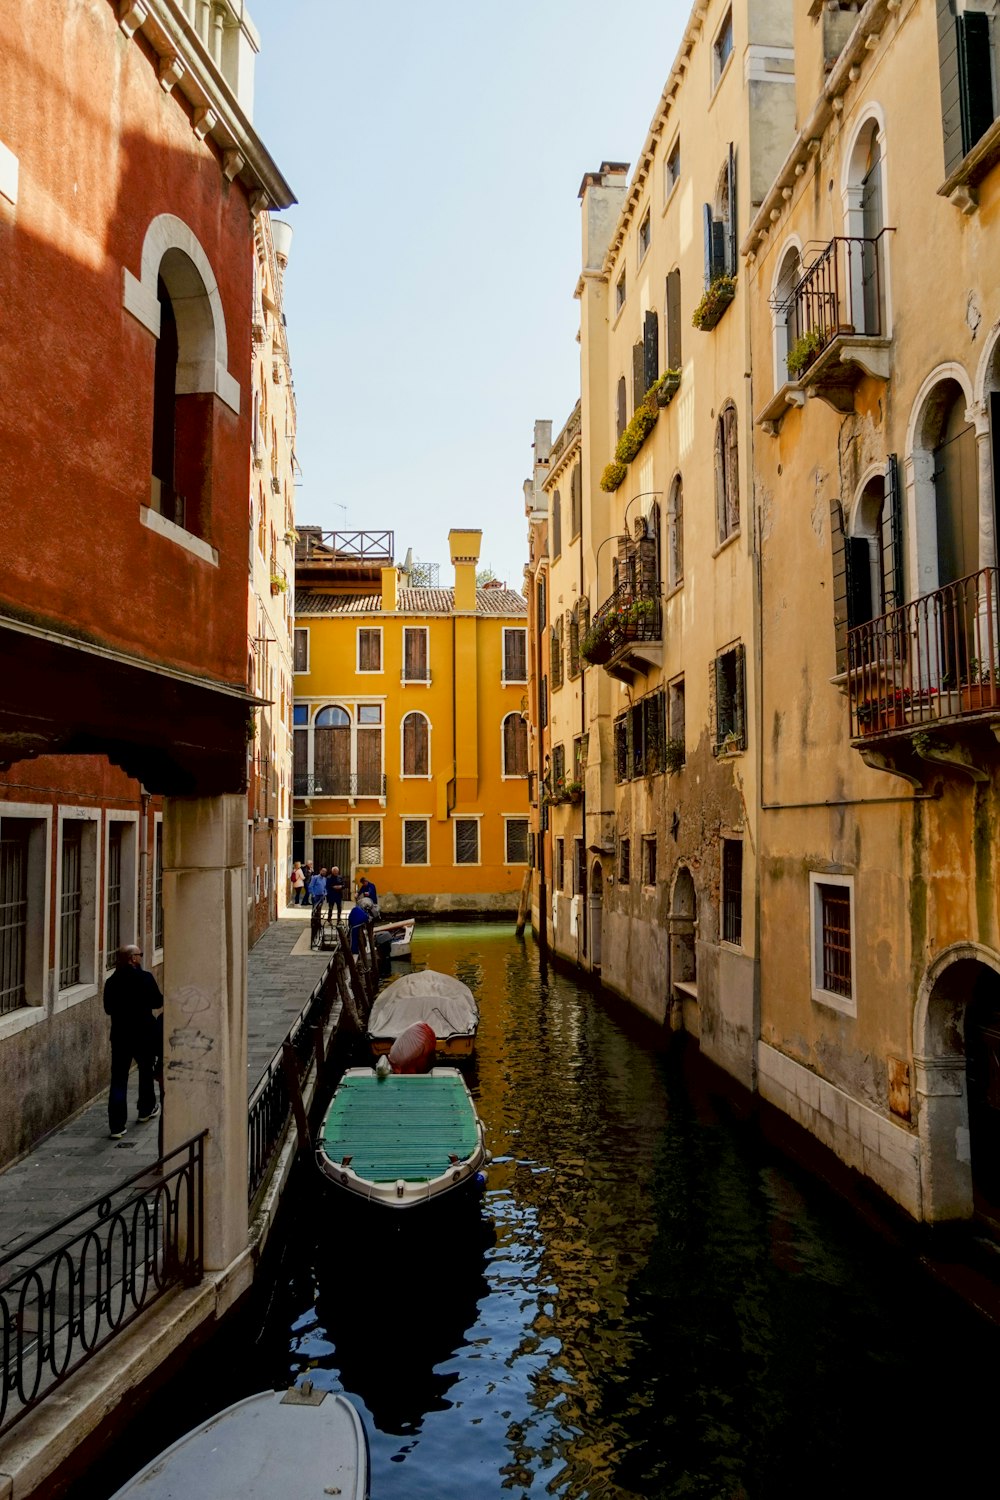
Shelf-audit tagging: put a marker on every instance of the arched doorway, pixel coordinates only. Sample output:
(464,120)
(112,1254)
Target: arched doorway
(683,951)
(596,908)
(956,1049)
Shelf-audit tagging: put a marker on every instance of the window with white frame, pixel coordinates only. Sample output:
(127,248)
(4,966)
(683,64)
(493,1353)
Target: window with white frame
(416,841)
(620,292)
(832,941)
(301,663)
(120,875)
(466,841)
(76,907)
(24,843)
(369,841)
(516,838)
(515,654)
(369,648)
(416,657)
(416,732)
(727,474)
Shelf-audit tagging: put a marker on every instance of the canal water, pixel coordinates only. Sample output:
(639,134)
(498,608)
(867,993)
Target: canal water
(651,1301)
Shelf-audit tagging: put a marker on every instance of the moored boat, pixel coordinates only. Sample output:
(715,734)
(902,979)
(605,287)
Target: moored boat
(296,1444)
(446,1005)
(402,1140)
(400,932)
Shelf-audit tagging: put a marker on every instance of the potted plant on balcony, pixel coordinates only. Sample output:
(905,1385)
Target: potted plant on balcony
(802,354)
(980,687)
(642,615)
(716,298)
(673,754)
(574,792)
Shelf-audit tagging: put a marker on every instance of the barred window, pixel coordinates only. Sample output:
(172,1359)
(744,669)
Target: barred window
(70,905)
(415,841)
(158,886)
(624,861)
(466,841)
(831,898)
(732,891)
(517,841)
(369,841)
(114,889)
(14,846)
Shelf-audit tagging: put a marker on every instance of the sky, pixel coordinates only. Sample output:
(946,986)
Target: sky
(436,152)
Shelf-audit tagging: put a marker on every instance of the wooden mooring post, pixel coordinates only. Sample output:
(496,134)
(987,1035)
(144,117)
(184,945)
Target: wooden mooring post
(524,905)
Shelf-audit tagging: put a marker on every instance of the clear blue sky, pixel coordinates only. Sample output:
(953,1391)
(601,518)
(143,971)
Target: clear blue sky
(436,152)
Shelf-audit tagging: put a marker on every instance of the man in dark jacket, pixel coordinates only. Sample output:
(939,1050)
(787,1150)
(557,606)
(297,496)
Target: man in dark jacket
(131,995)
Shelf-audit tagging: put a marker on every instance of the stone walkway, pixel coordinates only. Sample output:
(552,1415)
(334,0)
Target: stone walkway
(77,1162)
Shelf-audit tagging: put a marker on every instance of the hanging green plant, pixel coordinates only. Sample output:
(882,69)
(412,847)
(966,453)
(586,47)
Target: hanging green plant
(716,299)
(613,476)
(802,353)
(665,389)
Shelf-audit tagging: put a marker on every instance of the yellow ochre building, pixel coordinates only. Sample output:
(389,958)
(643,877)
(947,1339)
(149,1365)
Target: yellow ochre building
(411,753)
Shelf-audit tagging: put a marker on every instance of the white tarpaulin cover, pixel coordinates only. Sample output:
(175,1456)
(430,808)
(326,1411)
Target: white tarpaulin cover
(444,1002)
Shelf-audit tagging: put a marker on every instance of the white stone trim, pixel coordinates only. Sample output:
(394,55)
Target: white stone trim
(764,63)
(887,1153)
(209,371)
(8,174)
(38,951)
(175,533)
(90,911)
(415,864)
(847,1005)
(404,774)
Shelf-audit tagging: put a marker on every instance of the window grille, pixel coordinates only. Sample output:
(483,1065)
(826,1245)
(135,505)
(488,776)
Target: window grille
(13,916)
(732,891)
(369,841)
(70,905)
(727,473)
(114,913)
(836,911)
(414,841)
(517,841)
(624,861)
(466,841)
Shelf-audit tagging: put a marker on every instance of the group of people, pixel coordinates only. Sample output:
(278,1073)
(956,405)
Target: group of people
(327,888)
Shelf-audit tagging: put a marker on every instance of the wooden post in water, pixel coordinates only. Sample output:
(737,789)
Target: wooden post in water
(290,1068)
(357,987)
(524,905)
(347,1000)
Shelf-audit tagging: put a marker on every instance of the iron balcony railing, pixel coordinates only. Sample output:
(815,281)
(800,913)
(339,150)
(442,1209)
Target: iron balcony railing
(631,614)
(349,546)
(67,1291)
(340,784)
(842,291)
(935,658)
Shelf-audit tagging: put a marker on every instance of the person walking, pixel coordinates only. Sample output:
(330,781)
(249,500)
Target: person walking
(131,997)
(317,888)
(335,884)
(298,885)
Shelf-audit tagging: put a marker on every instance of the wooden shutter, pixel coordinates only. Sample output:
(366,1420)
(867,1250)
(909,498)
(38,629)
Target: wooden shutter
(621,415)
(732,234)
(540,601)
(515,653)
(674,320)
(974,76)
(650,348)
(415,654)
(951,103)
(573,637)
(415,747)
(369,651)
(638,389)
(892,538)
(556,549)
(740,697)
(369,762)
(839,549)
(708,227)
(575,502)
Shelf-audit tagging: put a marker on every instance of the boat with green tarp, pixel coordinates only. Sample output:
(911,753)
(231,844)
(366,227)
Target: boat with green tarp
(402,1140)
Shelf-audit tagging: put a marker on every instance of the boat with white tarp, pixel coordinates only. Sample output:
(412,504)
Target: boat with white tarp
(444,1003)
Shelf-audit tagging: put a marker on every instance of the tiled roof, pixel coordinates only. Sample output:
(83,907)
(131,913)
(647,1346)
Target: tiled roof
(410,602)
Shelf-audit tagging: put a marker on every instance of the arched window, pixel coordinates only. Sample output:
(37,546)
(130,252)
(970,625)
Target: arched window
(864,213)
(621,415)
(675,534)
(332,752)
(416,745)
(727,473)
(786,322)
(515,746)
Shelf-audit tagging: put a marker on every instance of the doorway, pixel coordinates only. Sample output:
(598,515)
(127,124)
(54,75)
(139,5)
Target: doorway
(596,908)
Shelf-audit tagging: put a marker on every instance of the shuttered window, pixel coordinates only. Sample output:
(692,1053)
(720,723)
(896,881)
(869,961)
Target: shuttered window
(575,503)
(621,413)
(415,843)
(639,387)
(466,841)
(515,746)
(556,525)
(558,764)
(624,861)
(964,55)
(720,226)
(70,905)
(415,668)
(369,650)
(114,891)
(556,654)
(730,699)
(416,745)
(301,651)
(573,641)
(727,473)
(515,651)
(650,349)
(674,355)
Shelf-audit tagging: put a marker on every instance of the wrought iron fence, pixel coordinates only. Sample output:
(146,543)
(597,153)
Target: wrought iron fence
(270,1103)
(937,657)
(632,613)
(67,1291)
(842,291)
(339,784)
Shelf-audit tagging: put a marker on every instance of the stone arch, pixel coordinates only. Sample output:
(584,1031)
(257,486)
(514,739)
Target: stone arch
(171,250)
(865,198)
(784,331)
(941,1085)
(596,912)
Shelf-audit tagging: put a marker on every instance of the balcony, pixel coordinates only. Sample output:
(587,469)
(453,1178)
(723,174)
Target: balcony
(924,680)
(836,327)
(340,784)
(625,636)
